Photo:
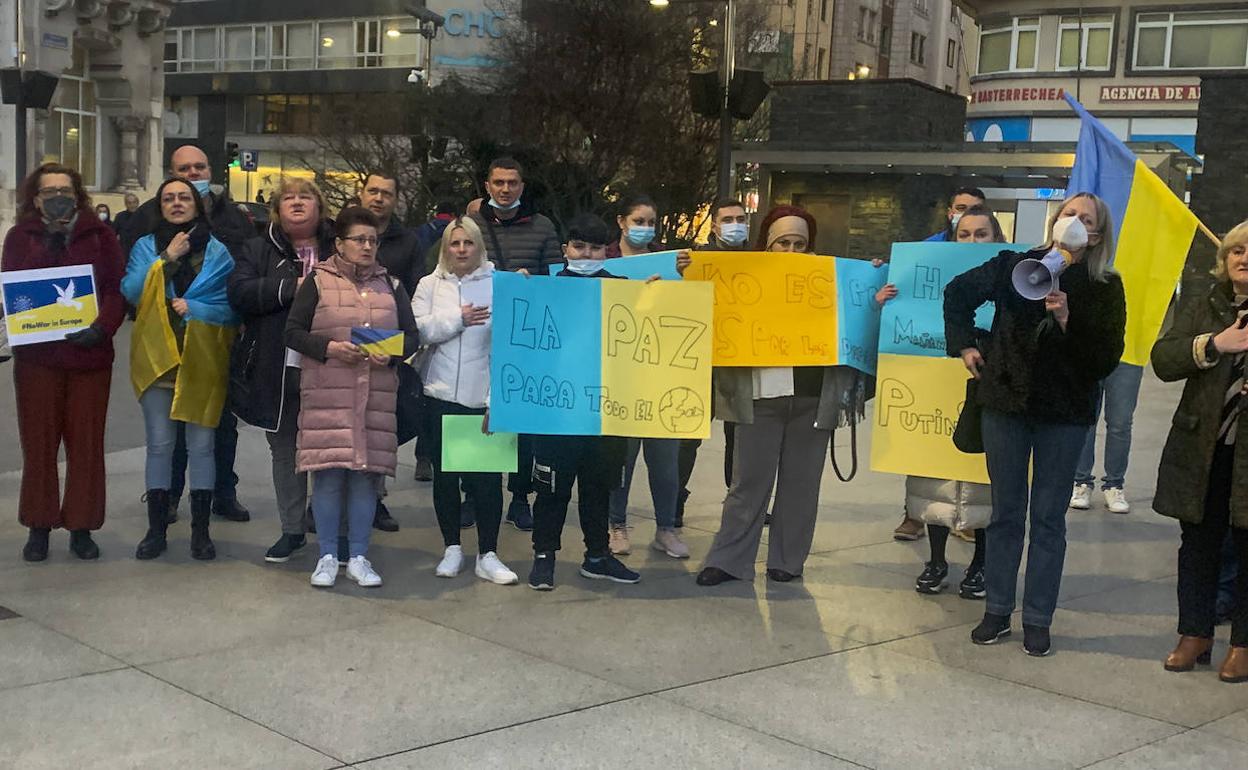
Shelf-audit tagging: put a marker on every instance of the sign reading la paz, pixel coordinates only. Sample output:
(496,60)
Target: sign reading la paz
(1150,93)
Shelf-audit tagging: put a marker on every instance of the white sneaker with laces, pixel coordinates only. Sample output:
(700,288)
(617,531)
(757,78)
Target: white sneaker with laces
(326,572)
(1116,501)
(490,568)
(361,571)
(452,562)
(1081,498)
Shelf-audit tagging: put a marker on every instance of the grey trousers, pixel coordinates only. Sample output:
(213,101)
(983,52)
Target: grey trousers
(781,448)
(291,486)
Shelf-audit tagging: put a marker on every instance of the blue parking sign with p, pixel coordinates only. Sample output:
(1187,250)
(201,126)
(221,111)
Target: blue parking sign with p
(249,160)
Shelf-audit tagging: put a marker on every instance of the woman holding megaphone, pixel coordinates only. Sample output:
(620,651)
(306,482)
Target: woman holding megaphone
(1037,383)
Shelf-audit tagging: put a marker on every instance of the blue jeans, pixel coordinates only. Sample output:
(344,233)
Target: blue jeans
(1013,445)
(336,489)
(162,433)
(663,465)
(1119,391)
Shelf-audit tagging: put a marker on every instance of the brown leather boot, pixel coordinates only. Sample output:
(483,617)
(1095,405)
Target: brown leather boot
(1235,667)
(1190,651)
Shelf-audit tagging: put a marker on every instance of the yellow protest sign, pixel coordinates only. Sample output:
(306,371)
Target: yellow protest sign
(771,308)
(917,403)
(656,354)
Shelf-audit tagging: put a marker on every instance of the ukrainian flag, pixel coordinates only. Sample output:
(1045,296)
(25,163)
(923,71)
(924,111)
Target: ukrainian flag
(1153,228)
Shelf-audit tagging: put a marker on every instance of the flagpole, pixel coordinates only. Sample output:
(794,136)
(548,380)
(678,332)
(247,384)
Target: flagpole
(1209,234)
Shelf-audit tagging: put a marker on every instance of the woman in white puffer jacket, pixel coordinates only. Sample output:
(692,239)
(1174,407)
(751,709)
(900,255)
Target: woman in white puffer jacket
(452,309)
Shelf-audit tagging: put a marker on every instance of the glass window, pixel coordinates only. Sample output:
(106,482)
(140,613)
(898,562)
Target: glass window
(1085,43)
(293,46)
(253,115)
(335,44)
(1009,47)
(203,50)
(172,49)
(951,52)
(71,134)
(917,44)
(239,44)
(400,45)
(1192,40)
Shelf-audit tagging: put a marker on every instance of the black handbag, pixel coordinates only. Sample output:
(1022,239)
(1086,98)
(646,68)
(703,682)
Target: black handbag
(968,436)
(409,404)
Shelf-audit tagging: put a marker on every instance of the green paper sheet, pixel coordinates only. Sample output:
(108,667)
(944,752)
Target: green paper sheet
(466,449)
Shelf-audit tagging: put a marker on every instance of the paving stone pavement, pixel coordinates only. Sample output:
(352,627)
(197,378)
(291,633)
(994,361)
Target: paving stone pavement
(241,664)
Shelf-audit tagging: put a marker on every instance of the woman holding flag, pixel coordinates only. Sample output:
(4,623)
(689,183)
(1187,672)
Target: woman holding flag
(1201,480)
(179,354)
(1037,381)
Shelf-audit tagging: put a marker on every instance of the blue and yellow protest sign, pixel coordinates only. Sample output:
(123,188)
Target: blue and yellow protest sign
(920,390)
(384,342)
(785,309)
(581,356)
(45,305)
(643,266)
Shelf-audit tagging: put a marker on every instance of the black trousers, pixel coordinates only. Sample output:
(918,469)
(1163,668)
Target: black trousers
(520,483)
(596,465)
(1200,559)
(225,446)
(486,489)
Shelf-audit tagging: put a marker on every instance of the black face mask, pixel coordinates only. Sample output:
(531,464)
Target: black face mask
(58,208)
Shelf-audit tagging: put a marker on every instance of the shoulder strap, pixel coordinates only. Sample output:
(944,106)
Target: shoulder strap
(498,249)
(853,442)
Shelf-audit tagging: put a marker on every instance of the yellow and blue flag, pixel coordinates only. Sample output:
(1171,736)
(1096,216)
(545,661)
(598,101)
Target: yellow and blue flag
(1153,228)
(385,342)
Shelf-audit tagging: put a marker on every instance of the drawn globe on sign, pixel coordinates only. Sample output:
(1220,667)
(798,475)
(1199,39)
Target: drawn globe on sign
(22,303)
(681,410)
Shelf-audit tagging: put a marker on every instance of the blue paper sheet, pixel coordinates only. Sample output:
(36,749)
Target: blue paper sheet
(858,315)
(642,266)
(913,323)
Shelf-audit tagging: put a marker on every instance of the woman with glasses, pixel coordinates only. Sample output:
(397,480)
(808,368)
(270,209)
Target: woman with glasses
(62,386)
(347,425)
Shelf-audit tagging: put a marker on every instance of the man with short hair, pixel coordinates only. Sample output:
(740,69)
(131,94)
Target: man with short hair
(517,238)
(963,199)
(229,226)
(125,219)
(398,247)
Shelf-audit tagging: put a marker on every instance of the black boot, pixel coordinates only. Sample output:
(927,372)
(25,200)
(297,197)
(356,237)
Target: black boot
(153,543)
(36,548)
(201,511)
(82,545)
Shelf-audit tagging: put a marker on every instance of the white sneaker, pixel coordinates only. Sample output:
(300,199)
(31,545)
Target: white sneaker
(326,572)
(490,568)
(361,571)
(1116,501)
(1081,498)
(452,562)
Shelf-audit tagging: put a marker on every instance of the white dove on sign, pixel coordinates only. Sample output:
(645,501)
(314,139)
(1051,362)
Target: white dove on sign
(66,296)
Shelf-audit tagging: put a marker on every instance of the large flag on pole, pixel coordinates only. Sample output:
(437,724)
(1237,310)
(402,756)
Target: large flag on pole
(1153,228)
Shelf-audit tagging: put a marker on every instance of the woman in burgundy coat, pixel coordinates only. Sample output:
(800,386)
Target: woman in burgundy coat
(62,387)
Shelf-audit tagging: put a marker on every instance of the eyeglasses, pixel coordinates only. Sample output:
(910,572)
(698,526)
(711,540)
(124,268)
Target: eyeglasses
(362,240)
(52,192)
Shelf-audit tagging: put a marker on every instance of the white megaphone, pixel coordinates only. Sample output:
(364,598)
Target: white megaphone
(1037,278)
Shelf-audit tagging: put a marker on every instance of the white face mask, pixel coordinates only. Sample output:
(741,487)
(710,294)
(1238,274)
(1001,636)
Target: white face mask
(1070,232)
(584,266)
(953,221)
(103,216)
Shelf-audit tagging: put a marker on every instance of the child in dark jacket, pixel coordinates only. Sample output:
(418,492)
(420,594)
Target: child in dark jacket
(596,463)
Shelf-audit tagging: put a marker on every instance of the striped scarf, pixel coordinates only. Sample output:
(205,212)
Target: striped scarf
(1233,402)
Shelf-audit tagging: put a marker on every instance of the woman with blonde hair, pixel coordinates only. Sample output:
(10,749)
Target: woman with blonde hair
(1038,376)
(452,310)
(1201,480)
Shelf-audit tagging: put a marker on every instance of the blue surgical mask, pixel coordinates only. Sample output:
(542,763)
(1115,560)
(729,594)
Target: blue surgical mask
(640,236)
(953,222)
(202,186)
(734,233)
(584,266)
(497,205)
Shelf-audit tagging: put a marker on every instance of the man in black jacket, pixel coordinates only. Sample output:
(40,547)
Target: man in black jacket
(229,226)
(398,249)
(517,238)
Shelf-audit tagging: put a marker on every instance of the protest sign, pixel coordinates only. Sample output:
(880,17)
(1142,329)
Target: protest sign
(45,305)
(788,309)
(579,356)
(465,449)
(642,266)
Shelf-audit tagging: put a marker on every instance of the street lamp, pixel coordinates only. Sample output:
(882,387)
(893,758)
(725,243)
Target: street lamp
(727,67)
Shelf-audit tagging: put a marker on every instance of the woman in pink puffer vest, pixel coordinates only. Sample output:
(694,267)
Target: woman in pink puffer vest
(348,395)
